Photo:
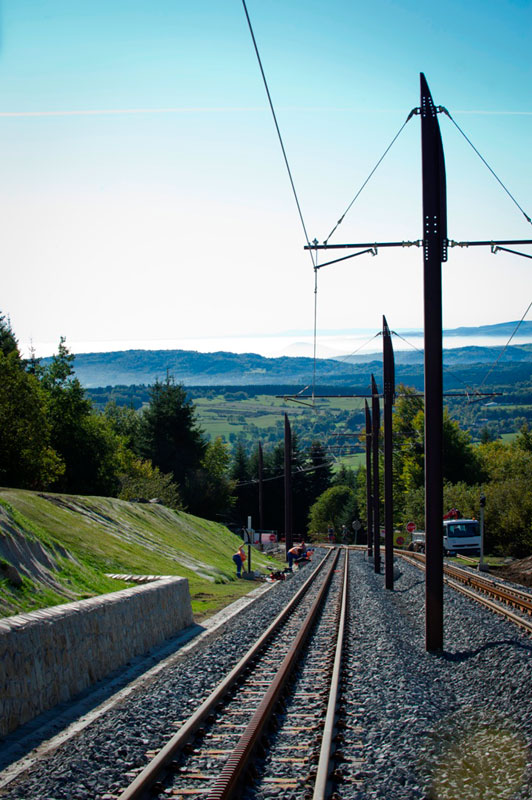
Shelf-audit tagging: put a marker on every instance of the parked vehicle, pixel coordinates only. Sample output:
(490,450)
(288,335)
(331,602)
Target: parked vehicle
(459,536)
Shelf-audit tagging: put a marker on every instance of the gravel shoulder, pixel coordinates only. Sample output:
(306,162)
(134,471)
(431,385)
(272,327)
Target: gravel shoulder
(456,724)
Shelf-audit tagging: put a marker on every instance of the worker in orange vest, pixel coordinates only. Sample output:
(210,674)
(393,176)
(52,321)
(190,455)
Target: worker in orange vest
(239,558)
(293,554)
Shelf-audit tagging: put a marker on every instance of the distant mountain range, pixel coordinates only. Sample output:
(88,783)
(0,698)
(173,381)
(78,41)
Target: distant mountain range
(192,368)
(499,329)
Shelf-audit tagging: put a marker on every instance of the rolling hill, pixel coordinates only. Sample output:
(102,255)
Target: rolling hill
(128,367)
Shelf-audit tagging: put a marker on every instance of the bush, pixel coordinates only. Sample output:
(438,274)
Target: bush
(144,481)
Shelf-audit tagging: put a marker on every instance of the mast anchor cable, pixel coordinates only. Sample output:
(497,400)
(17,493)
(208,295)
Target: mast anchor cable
(409,117)
(443,110)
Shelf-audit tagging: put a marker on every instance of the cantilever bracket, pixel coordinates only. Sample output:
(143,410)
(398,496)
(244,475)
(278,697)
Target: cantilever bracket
(496,249)
(490,243)
(372,250)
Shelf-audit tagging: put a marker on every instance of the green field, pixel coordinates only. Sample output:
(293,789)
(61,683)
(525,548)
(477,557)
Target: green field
(251,419)
(352,462)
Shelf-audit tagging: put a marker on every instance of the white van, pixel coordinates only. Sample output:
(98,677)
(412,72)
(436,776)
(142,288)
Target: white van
(459,536)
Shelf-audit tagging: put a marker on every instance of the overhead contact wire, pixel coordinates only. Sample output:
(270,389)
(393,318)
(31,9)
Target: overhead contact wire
(278,131)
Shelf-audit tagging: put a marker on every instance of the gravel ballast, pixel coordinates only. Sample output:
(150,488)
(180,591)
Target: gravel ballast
(457,724)
(444,726)
(96,762)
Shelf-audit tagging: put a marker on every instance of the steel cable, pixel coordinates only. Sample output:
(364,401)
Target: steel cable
(414,111)
(510,195)
(278,130)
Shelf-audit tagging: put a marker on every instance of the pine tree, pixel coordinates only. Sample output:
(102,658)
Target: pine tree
(8,343)
(169,434)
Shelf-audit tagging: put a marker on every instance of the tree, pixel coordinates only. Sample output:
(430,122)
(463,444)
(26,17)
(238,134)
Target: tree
(486,435)
(27,459)
(86,442)
(508,493)
(125,422)
(461,463)
(523,440)
(142,480)
(407,426)
(331,507)
(169,435)
(209,488)
(344,476)
(321,477)
(463,496)
(244,471)
(8,343)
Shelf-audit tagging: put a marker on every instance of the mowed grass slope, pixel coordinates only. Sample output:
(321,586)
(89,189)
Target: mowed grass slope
(84,538)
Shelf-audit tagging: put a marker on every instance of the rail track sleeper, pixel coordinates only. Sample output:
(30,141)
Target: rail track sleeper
(322,774)
(229,777)
(460,579)
(150,773)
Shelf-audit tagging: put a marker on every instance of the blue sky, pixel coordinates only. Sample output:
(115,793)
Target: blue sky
(168,215)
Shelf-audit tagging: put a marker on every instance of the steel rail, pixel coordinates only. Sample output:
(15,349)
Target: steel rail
(492,605)
(322,774)
(507,594)
(471,559)
(226,785)
(151,773)
(460,579)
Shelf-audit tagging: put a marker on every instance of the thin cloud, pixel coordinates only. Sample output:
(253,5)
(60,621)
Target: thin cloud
(226,109)
(96,111)
(510,113)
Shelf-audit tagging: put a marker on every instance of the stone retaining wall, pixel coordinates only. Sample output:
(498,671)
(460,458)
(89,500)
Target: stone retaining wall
(48,656)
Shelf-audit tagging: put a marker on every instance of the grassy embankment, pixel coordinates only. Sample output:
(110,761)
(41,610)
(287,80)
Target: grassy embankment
(63,545)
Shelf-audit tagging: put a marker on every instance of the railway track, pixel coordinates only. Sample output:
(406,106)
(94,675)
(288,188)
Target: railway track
(495,595)
(270,725)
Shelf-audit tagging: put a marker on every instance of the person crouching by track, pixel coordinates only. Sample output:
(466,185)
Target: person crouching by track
(295,554)
(292,555)
(239,558)
(305,557)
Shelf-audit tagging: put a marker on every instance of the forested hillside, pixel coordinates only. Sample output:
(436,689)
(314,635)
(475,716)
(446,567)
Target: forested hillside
(197,448)
(236,369)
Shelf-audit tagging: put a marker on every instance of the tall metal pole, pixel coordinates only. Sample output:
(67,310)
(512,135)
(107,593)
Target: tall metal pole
(287,484)
(434,252)
(261,489)
(369,506)
(482,566)
(376,421)
(389,394)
